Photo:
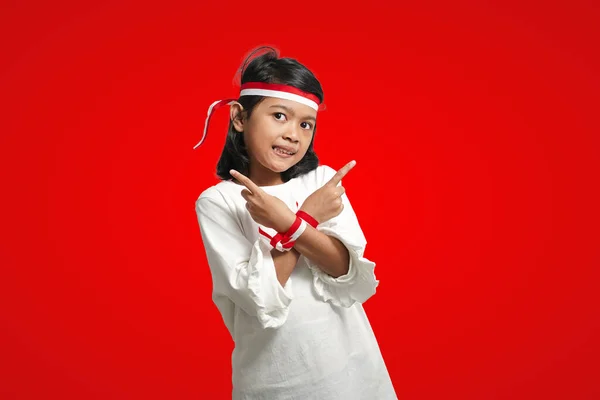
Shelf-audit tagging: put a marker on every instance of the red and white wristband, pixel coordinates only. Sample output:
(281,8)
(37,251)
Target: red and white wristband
(285,241)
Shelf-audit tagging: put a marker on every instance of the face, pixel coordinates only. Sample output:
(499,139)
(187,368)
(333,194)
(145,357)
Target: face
(277,136)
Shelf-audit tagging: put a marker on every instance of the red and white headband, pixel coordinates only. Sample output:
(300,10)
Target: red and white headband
(265,89)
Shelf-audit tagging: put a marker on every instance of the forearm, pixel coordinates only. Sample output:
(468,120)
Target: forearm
(327,252)
(285,262)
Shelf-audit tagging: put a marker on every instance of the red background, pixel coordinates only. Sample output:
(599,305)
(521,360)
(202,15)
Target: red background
(475,128)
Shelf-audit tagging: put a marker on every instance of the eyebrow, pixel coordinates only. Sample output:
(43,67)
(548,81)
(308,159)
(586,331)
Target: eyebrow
(289,110)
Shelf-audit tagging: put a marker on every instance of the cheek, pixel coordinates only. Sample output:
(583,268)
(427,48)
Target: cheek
(253,135)
(266,130)
(250,142)
(259,145)
(304,145)
(306,139)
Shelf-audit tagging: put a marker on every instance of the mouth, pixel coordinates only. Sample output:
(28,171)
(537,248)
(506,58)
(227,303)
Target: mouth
(280,151)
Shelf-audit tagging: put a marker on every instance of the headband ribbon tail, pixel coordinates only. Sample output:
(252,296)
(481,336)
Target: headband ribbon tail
(213,107)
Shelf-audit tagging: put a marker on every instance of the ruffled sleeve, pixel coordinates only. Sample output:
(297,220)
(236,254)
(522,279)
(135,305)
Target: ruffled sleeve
(360,283)
(241,270)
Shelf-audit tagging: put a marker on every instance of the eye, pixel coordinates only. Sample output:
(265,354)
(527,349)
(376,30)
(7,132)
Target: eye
(307,125)
(278,116)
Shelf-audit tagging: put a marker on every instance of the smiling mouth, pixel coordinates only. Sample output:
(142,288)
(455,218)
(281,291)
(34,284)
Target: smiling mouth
(283,152)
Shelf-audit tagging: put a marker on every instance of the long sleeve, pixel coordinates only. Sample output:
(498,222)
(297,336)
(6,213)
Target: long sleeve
(241,270)
(360,283)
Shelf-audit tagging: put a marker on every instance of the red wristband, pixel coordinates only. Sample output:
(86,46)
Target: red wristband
(284,237)
(308,218)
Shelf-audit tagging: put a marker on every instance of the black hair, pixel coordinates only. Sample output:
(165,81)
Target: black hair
(268,68)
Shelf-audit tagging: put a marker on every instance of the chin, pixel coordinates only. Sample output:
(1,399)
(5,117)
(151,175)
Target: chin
(280,169)
(282,165)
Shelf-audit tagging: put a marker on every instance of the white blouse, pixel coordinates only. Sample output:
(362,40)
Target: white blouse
(309,339)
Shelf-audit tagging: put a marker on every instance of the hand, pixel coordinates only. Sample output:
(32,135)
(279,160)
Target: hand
(265,209)
(326,202)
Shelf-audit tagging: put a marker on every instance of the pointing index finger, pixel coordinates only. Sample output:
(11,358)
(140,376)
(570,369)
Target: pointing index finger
(244,180)
(341,173)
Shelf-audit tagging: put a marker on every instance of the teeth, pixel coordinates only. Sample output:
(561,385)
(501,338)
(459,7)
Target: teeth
(280,150)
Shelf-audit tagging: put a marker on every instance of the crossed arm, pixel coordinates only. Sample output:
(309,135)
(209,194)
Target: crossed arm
(327,252)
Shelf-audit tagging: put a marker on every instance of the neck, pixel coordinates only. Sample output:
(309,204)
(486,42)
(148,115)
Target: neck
(264,176)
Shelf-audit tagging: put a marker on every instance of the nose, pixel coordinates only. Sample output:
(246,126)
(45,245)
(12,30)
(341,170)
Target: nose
(291,134)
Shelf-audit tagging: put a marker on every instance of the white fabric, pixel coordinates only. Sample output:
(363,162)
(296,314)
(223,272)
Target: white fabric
(310,339)
(281,95)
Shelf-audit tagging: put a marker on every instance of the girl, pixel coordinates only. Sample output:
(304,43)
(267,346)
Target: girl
(285,248)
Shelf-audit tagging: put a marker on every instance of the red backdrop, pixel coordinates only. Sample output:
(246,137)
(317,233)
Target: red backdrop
(475,128)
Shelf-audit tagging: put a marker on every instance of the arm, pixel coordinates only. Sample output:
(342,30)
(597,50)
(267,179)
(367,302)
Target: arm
(359,282)
(338,224)
(324,250)
(243,271)
(326,204)
(352,276)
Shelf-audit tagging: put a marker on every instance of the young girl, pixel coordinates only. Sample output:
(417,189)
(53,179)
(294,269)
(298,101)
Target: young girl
(285,248)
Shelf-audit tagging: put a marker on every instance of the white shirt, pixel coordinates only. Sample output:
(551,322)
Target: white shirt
(310,339)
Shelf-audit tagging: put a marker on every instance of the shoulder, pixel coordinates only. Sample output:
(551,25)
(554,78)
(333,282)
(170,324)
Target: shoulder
(326,172)
(318,176)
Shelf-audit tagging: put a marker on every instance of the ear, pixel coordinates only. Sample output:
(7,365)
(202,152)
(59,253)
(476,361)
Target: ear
(236,113)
